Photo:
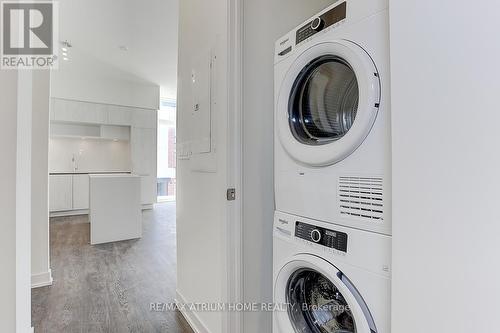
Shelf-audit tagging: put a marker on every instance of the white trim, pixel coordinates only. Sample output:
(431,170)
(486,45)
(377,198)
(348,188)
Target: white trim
(42,279)
(69,213)
(191,317)
(233,286)
(148,206)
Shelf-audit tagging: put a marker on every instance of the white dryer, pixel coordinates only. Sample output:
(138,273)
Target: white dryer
(332,117)
(329,279)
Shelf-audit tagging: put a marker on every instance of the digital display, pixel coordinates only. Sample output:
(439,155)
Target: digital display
(326,237)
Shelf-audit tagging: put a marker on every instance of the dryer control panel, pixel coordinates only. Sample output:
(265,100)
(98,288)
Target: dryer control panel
(326,237)
(321,22)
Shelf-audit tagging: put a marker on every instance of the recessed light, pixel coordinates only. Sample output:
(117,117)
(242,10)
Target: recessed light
(65,59)
(65,54)
(64,49)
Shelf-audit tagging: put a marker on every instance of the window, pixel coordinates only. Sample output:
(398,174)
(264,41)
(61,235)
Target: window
(166,183)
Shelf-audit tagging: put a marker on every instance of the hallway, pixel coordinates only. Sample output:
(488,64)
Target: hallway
(109,287)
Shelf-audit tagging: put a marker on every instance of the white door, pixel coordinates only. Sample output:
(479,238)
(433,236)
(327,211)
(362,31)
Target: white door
(60,193)
(207,165)
(328,102)
(319,299)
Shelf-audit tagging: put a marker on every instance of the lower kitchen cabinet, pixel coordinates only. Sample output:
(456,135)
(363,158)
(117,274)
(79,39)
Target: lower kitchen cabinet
(148,190)
(60,193)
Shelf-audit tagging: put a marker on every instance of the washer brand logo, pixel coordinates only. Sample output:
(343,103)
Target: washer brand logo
(283,221)
(284,42)
(28,34)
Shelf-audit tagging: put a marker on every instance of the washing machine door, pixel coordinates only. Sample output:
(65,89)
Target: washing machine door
(319,299)
(327,103)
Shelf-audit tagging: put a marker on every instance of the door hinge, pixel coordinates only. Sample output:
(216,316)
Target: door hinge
(231,194)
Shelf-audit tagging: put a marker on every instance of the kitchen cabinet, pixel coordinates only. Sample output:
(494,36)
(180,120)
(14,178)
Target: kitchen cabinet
(104,114)
(80,192)
(148,190)
(143,147)
(120,115)
(60,193)
(115,132)
(144,118)
(80,112)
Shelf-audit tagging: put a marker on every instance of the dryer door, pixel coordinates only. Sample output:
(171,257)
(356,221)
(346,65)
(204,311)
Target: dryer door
(319,299)
(327,103)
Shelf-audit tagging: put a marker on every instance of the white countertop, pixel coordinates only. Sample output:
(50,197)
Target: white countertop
(113,175)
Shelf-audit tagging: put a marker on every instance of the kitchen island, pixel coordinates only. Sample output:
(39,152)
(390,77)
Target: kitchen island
(115,207)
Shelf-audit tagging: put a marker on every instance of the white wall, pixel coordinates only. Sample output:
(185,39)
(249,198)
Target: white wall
(201,202)
(91,155)
(446,165)
(88,79)
(265,21)
(40,265)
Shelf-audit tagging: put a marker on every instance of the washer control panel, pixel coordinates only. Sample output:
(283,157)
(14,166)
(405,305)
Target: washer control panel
(326,237)
(336,14)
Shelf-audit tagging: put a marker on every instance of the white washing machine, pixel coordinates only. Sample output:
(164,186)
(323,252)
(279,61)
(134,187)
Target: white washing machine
(332,117)
(329,279)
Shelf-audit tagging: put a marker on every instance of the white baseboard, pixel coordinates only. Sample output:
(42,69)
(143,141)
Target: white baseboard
(42,279)
(148,207)
(191,317)
(69,213)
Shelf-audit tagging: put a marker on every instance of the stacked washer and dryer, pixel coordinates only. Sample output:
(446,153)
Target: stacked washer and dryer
(332,227)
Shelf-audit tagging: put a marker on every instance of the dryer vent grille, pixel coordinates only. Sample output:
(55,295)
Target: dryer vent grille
(362,197)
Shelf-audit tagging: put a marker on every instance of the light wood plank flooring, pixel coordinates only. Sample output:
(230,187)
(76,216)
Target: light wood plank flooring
(109,288)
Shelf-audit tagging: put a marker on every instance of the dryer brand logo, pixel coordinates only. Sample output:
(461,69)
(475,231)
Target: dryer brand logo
(284,42)
(28,34)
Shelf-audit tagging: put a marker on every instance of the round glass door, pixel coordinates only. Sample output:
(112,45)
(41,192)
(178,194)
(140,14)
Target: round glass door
(327,103)
(316,305)
(324,101)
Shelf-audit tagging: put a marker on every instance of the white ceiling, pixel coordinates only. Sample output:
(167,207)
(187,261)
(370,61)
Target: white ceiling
(148,28)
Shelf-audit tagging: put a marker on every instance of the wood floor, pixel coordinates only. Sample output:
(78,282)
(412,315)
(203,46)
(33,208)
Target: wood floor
(109,288)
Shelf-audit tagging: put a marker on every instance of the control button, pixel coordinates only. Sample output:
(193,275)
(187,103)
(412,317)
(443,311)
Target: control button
(316,235)
(317,24)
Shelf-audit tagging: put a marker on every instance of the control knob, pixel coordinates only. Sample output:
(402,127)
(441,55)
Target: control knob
(317,24)
(316,235)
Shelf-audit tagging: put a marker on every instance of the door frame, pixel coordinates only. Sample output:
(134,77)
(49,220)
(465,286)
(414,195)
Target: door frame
(233,249)
(23,200)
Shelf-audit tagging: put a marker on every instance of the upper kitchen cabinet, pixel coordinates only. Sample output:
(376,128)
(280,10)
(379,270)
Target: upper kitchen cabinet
(79,112)
(104,114)
(144,118)
(120,115)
